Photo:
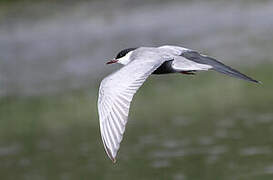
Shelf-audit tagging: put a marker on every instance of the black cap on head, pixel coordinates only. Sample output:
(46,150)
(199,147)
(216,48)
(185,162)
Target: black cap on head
(124,52)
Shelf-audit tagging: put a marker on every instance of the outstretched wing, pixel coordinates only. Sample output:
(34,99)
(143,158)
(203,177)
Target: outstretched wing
(115,95)
(192,60)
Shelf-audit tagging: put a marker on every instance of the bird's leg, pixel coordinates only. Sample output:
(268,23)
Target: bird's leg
(188,72)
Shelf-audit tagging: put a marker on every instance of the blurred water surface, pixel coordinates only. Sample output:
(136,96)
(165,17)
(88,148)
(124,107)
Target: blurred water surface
(52,58)
(68,48)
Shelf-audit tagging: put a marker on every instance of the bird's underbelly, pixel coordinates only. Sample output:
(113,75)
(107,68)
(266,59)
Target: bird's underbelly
(165,68)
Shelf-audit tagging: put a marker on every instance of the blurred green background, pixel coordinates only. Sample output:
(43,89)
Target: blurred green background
(208,126)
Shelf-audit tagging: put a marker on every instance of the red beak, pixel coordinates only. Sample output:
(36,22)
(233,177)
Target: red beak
(112,61)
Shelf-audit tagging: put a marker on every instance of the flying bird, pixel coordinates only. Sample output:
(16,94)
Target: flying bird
(117,90)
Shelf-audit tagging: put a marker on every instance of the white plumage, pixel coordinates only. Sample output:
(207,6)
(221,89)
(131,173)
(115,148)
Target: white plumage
(115,95)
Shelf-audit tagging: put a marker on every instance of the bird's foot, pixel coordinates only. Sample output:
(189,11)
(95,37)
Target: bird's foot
(188,72)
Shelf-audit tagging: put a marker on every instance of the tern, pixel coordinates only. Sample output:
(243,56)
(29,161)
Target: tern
(117,90)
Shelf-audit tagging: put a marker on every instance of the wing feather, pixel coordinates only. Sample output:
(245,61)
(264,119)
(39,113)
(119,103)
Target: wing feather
(215,65)
(115,95)
(189,60)
(182,64)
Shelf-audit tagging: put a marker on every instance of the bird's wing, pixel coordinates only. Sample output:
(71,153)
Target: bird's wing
(115,94)
(182,64)
(179,62)
(192,60)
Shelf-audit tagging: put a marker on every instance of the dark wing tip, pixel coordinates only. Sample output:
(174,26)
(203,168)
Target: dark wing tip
(108,152)
(259,82)
(245,77)
(110,155)
(114,160)
(256,81)
(217,65)
(234,73)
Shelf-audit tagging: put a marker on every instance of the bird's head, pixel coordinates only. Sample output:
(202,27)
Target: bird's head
(123,57)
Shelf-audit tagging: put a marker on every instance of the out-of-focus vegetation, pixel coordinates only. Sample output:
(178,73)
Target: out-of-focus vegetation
(180,127)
